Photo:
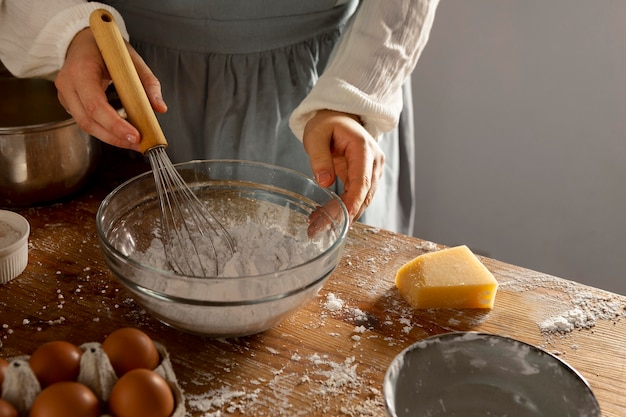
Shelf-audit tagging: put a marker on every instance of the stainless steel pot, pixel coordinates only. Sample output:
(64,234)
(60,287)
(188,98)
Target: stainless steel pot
(44,156)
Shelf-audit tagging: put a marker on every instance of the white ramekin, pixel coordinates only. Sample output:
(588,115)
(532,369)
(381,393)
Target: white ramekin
(14,257)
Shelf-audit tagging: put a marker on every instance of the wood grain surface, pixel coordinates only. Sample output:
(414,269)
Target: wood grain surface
(320,361)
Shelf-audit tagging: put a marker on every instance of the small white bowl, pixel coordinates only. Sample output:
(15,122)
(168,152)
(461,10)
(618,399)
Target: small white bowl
(14,232)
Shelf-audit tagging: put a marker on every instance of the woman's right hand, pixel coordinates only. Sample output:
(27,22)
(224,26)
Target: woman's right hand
(81,86)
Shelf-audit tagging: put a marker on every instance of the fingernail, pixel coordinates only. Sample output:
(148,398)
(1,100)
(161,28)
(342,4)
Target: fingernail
(132,138)
(159,100)
(323,177)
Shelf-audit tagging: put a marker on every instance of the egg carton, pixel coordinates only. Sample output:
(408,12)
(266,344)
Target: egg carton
(20,385)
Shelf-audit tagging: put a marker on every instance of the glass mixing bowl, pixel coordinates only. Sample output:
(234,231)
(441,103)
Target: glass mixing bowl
(239,194)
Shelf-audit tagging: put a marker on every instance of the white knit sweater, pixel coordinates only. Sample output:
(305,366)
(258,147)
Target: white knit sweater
(375,56)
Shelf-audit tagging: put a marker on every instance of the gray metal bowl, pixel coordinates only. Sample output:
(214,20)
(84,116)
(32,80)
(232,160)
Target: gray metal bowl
(468,374)
(237,193)
(44,156)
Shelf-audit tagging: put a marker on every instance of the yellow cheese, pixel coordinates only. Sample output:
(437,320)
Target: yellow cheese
(449,278)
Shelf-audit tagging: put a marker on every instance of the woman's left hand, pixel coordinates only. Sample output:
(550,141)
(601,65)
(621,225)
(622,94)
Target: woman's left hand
(339,146)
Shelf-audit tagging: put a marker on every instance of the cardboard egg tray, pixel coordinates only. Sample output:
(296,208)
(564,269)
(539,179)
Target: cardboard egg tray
(20,385)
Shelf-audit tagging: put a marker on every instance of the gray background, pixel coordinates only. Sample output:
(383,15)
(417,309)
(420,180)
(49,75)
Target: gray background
(520,109)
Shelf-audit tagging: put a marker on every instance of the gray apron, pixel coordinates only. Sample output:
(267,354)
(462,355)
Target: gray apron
(232,71)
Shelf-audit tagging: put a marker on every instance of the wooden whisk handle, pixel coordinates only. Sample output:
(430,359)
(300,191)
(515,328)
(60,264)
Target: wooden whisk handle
(124,75)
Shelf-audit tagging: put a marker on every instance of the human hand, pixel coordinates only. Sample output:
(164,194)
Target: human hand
(81,86)
(339,146)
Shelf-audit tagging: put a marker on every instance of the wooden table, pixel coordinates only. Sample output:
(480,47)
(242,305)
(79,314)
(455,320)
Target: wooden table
(320,361)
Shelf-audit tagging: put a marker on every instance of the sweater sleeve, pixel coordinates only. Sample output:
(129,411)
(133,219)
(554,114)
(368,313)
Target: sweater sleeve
(35,34)
(375,56)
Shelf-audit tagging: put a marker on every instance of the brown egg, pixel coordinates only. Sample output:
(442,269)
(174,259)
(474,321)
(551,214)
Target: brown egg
(141,392)
(65,399)
(129,348)
(4,364)
(7,409)
(55,362)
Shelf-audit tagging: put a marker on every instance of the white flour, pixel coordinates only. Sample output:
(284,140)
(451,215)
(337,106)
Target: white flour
(333,303)
(587,309)
(259,249)
(324,379)
(572,309)
(8,234)
(335,384)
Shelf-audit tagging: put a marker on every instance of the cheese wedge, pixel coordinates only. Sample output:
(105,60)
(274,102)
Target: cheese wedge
(449,278)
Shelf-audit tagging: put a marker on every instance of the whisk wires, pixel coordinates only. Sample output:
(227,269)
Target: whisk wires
(192,233)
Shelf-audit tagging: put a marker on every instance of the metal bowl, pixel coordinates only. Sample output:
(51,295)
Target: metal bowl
(44,156)
(477,374)
(238,193)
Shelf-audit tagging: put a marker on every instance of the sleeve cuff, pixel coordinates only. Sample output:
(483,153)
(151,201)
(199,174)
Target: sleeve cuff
(60,31)
(377,117)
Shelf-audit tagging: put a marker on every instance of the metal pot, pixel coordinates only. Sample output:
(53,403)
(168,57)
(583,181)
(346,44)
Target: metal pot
(44,156)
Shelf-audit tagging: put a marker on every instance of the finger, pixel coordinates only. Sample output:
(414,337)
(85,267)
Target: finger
(376,175)
(95,116)
(317,144)
(358,180)
(81,85)
(355,196)
(150,82)
(325,217)
(369,196)
(115,135)
(370,173)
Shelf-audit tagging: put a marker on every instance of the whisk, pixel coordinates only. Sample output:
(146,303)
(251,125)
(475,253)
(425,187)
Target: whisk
(193,238)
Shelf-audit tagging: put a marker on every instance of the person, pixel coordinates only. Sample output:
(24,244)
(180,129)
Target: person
(321,86)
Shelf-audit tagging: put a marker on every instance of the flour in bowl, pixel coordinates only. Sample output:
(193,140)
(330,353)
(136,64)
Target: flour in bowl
(8,235)
(259,249)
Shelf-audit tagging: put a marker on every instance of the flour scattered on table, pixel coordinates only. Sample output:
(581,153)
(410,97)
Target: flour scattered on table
(587,309)
(359,316)
(359,329)
(333,303)
(332,387)
(230,399)
(337,375)
(428,246)
(572,309)
(407,326)
(272,350)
